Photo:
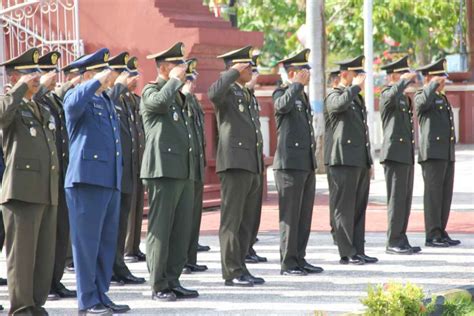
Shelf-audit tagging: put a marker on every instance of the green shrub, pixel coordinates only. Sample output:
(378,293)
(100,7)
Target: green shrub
(460,306)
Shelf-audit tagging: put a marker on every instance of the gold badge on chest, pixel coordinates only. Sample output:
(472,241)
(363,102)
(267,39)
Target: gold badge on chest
(33,131)
(175,116)
(241,107)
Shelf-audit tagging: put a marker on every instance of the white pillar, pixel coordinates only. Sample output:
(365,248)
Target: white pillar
(369,57)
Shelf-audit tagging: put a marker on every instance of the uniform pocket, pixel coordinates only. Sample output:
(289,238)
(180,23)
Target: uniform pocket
(169,148)
(27,164)
(239,143)
(94,154)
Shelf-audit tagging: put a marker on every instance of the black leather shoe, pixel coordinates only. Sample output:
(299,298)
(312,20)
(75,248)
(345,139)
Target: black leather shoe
(203,248)
(115,279)
(196,267)
(3,282)
(117,309)
(239,281)
(368,259)
(404,250)
(309,268)
(251,259)
(261,259)
(451,242)
(415,249)
(357,260)
(437,243)
(297,271)
(53,296)
(182,293)
(255,280)
(64,293)
(130,259)
(40,311)
(186,270)
(70,268)
(141,256)
(98,309)
(131,279)
(165,296)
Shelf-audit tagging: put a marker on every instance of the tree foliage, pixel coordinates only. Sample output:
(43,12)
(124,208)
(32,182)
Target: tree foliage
(425,28)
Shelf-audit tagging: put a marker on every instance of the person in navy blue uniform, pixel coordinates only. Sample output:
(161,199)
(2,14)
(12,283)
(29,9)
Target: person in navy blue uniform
(93,182)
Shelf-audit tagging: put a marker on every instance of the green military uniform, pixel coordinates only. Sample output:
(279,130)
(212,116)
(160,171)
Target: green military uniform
(349,163)
(134,229)
(436,156)
(239,165)
(397,156)
(29,192)
(294,167)
(168,172)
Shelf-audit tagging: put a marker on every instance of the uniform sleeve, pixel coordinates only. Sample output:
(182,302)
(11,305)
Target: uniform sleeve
(76,99)
(10,103)
(386,98)
(284,100)
(157,100)
(218,89)
(338,103)
(61,91)
(424,97)
(41,92)
(115,92)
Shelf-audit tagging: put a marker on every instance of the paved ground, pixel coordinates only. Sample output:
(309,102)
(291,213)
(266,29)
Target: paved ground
(339,288)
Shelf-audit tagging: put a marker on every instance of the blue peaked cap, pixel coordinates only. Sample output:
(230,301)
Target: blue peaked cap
(95,61)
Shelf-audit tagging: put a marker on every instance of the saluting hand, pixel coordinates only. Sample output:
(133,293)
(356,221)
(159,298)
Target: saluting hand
(47,79)
(302,77)
(359,81)
(102,77)
(74,81)
(31,80)
(122,78)
(410,76)
(178,72)
(438,79)
(241,67)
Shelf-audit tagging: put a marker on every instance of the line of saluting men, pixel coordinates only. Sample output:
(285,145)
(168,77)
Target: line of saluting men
(76,156)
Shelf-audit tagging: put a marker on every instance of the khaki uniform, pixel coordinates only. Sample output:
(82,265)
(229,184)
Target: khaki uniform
(239,166)
(29,198)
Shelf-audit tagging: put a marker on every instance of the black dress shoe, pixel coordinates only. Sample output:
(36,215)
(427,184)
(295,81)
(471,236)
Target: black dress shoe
(130,259)
(196,267)
(312,269)
(182,293)
(3,282)
(451,242)
(203,248)
(1,308)
(186,270)
(98,309)
(368,259)
(297,271)
(357,260)
(251,259)
(63,292)
(261,259)
(70,267)
(40,311)
(255,280)
(141,256)
(131,279)
(116,279)
(437,243)
(242,280)
(117,309)
(415,249)
(166,296)
(53,296)
(404,250)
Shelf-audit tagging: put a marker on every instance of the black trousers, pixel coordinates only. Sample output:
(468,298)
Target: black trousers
(331,204)
(351,195)
(196,222)
(296,189)
(399,180)
(120,268)
(438,176)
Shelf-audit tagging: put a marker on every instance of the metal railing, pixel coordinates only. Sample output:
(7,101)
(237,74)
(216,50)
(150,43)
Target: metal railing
(46,24)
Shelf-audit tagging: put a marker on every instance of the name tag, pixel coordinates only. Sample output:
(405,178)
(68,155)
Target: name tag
(27,114)
(403,102)
(439,101)
(238,93)
(98,106)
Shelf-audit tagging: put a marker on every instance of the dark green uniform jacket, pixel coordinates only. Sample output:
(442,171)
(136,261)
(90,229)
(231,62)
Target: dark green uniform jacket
(168,150)
(397,122)
(435,116)
(348,123)
(240,140)
(296,143)
(32,167)
(196,116)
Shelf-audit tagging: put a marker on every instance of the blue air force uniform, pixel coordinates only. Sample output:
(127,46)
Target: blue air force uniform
(92,183)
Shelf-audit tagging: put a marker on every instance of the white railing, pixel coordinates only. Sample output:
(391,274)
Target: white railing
(46,24)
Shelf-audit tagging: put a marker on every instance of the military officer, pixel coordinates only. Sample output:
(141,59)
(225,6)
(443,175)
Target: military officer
(50,101)
(350,161)
(72,78)
(252,256)
(196,119)
(239,164)
(116,91)
(436,153)
(333,82)
(397,154)
(168,172)
(294,165)
(29,194)
(132,242)
(93,182)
